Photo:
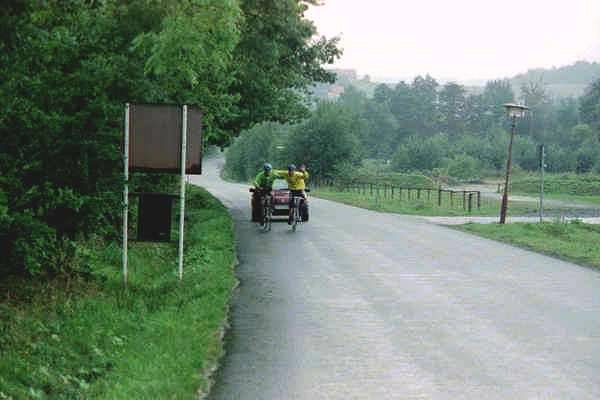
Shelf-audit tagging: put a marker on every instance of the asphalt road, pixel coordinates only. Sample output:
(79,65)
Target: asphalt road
(363,305)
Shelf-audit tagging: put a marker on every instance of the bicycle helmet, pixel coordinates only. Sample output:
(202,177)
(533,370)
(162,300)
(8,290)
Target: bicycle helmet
(267,167)
(291,167)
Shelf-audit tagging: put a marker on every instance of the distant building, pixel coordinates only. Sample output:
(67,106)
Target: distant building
(335,91)
(349,74)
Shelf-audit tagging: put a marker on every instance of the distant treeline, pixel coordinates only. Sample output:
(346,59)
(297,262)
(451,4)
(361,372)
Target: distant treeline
(438,129)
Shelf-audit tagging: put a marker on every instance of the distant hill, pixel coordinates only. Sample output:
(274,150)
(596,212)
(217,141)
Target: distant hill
(567,81)
(580,73)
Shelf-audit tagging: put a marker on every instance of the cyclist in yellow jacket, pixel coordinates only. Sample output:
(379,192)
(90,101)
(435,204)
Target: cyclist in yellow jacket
(296,183)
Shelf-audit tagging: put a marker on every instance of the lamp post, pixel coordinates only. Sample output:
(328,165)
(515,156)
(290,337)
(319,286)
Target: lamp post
(514,111)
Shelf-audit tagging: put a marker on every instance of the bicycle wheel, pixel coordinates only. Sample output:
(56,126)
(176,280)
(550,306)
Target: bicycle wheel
(268,215)
(295,215)
(265,213)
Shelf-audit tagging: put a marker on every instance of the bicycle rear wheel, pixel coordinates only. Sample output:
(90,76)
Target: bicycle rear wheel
(266,216)
(296,214)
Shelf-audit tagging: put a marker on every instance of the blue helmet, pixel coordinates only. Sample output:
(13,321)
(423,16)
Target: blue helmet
(267,167)
(291,167)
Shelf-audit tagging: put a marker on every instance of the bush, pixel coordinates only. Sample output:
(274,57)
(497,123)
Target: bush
(464,167)
(423,154)
(328,137)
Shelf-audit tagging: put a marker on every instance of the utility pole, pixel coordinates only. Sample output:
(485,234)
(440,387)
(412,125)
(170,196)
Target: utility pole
(542,168)
(504,205)
(514,111)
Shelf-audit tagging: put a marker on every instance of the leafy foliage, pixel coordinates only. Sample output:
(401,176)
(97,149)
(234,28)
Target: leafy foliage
(69,66)
(326,142)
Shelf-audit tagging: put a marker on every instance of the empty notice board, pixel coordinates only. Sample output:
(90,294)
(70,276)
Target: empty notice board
(155,139)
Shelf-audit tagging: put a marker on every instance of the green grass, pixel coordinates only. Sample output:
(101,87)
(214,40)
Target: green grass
(571,198)
(574,241)
(87,338)
(422,206)
(568,184)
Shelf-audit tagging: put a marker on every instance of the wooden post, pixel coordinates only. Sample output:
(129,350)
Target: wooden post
(439,197)
(428,194)
(451,198)
(478,199)
(419,194)
(470,202)
(464,200)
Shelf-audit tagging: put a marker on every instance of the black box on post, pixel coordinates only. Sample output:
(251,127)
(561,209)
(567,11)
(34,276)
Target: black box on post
(154,217)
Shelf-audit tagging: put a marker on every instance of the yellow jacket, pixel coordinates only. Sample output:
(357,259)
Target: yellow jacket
(295,180)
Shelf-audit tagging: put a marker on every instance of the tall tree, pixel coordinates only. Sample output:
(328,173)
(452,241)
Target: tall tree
(424,105)
(452,109)
(278,58)
(589,105)
(535,96)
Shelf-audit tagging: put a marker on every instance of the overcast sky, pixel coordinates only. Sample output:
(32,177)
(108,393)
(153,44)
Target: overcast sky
(460,39)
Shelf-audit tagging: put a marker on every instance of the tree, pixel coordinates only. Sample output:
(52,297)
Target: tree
(327,138)
(452,109)
(277,59)
(424,106)
(589,106)
(383,94)
(535,96)
(190,60)
(464,167)
(419,153)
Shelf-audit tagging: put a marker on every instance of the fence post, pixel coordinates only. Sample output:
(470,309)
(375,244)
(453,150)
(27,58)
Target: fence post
(470,202)
(371,189)
(464,200)
(428,194)
(451,198)
(419,194)
(478,200)
(392,192)
(439,197)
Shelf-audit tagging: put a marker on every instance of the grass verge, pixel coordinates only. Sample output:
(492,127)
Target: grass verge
(423,206)
(573,241)
(590,200)
(86,337)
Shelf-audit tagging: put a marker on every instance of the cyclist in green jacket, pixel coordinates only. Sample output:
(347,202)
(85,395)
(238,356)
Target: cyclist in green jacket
(263,185)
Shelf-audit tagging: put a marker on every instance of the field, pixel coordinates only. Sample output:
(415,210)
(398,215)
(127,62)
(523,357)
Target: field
(426,204)
(566,184)
(84,336)
(574,241)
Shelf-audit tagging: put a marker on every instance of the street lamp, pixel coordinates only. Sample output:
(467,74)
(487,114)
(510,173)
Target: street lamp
(514,111)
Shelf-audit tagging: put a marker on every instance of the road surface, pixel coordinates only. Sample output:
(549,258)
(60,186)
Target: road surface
(362,305)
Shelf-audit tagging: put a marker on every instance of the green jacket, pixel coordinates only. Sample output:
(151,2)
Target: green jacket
(264,181)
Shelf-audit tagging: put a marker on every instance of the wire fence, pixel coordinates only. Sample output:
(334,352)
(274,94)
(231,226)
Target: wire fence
(448,198)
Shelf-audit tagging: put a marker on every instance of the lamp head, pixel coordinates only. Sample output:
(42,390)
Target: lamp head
(515,110)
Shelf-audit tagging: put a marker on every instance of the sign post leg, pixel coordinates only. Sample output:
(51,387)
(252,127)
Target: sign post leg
(125,192)
(182,194)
